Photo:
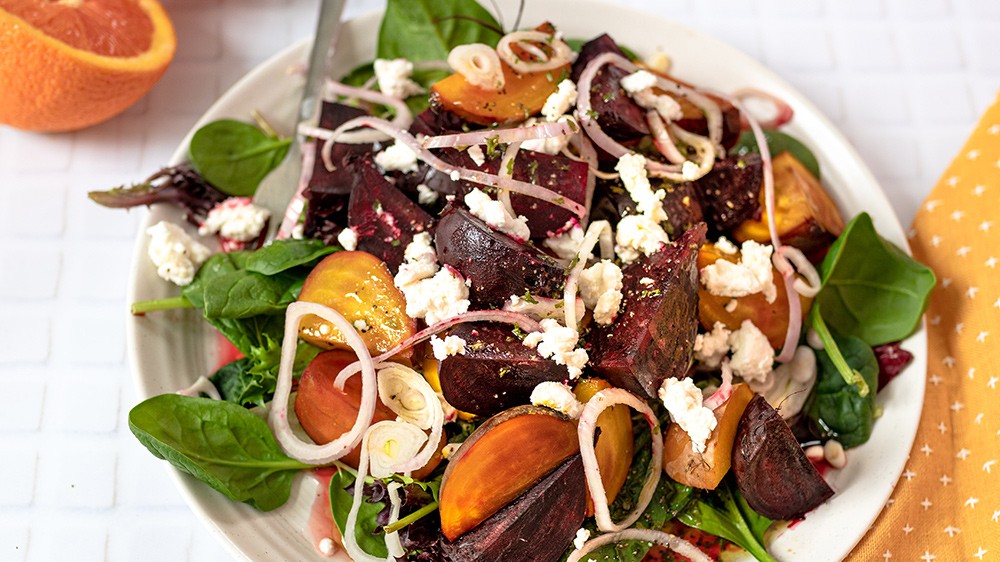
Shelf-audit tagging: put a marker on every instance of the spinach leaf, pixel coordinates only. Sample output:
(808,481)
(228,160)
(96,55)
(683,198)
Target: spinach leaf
(219,443)
(421,30)
(365,531)
(282,255)
(235,156)
(724,513)
(871,289)
(838,409)
(224,288)
(778,142)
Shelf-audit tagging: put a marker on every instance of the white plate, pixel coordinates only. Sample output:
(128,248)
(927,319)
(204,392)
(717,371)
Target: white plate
(170,350)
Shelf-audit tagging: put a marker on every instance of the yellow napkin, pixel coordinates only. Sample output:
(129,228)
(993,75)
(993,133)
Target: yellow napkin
(946,506)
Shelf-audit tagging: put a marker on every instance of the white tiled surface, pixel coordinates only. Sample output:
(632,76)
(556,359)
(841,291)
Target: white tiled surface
(903,79)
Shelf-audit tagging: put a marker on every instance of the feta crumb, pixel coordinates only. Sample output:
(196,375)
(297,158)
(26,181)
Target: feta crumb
(689,171)
(327,547)
(476,153)
(638,81)
(710,348)
(582,536)
(683,400)
(176,255)
(631,169)
(236,218)
(495,214)
(348,239)
(397,157)
(753,274)
(646,281)
(731,305)
(567,244)
(753,355)
(543,308)
(559,102)
(551,145)
(455,175)
(445,348)
(359,325)
(437,298)
(426,195)
(557,396)
(601,290)
(726,247)
(557,342)
(393,78)
(659,61)
(638,234)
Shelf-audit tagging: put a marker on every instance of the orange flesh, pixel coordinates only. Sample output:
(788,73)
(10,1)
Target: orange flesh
(522,96)
(113,28)
(500,465)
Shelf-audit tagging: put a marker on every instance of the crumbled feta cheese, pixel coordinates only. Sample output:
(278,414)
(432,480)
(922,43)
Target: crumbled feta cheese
(753,274)
(359,325)
(476,153)
(753,355)
(397,157)
(495,214)
(393,78)
(437,298)
(731,305)
(690,170)
(348,239)
(426,195)
(658,61)
(559,102)
(638,234)
(638,81)
(551,145)
(710,348)
(445,348)
(582,536)
(601,290)
(557,396)
(631,169)
(683,400)
(726,247)
(557,342)
(175,254)
(236,218)
(455,175)
(542,307)
(646,281)
(567,244)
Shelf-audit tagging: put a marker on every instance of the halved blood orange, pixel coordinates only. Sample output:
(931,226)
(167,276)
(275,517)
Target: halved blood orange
(68,64)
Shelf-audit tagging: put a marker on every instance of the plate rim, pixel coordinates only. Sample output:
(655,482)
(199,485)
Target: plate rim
(194,493)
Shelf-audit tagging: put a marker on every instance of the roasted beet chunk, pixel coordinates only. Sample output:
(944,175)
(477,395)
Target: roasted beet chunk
(537,526)
(496,265)
(384,219)
(325,184)
(496,372)
(771,470)
(597,46)
(653,337)
(682,207)
(729,194)
(565,176)
(619,116)
(892,359)
(436,122)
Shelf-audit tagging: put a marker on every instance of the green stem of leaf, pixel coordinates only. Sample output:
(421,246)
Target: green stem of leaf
(851,376)
(172,303)
(262,123)
(411,518)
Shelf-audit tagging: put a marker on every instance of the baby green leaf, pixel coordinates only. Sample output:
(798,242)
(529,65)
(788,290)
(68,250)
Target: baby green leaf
(421,30)
(365,531)
(839,409)
(871,289)
(219,443)
(235,156)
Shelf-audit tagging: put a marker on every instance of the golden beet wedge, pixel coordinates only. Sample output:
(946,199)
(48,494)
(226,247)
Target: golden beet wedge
(359,286)
(615,443)
(705,470)
(504,457)
(771,318)
(806,216)
(522,96)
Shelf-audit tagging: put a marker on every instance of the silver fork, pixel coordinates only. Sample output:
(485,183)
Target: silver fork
(277,189)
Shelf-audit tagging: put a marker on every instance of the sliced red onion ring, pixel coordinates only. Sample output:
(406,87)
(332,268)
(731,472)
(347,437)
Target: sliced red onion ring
(355,551)
(661,138)
(201,386)
(474,176)
(295,206)
(723,393)
(813,283)
(403,118)
(392,542)
(561,53)
(278,419)
(586,152)
(783,112)
(507,171)
(394,379)
(544,130)
(585,431)
(674,543)
(597,231)
(525,322)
